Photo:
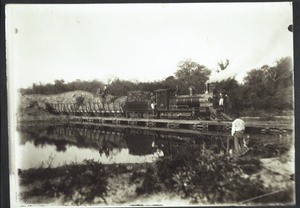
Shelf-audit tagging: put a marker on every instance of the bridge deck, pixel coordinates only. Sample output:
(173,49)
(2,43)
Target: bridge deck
(257,127)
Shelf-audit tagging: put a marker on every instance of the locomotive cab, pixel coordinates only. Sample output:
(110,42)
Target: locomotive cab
(163,98)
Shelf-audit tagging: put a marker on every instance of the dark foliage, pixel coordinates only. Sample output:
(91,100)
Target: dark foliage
(270,87)
(234,91)
(150,183)
(191,73)
(78,183)
(200,175)
(249,165)
(274,146)
(120,87)
(135,177)
(267,88)
(31,175)
(60,86)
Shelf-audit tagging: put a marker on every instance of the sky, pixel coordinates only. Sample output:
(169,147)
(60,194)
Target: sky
(142,42)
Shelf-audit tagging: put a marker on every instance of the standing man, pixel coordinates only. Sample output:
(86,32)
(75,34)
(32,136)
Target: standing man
(153,103)
(237,131)
(226,101)
(104,92)
(191,90)
(221,101)
(215,99)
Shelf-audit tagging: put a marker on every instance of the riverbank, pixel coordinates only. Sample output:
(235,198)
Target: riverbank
(178,180)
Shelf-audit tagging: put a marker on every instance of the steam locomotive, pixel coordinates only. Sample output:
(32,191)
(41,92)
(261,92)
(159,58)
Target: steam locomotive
(167,104)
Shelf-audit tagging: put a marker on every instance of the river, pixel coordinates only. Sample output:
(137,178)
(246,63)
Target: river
(41,146)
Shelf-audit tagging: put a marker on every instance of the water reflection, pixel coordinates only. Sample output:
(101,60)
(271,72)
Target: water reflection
(58,145)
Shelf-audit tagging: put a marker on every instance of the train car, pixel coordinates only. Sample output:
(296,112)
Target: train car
(138,104)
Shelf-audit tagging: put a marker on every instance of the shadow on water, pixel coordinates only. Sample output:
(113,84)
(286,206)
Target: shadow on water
(194,167)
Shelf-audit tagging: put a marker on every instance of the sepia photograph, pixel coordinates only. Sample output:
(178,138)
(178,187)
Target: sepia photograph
(152,104)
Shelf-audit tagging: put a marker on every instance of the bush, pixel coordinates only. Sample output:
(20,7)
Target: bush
(149,184)
(206,176)
(80,184)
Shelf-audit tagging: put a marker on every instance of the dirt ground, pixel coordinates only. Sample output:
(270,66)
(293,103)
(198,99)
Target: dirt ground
(278,172)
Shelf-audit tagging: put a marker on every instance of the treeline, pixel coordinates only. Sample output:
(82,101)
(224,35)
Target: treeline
(61,86)
(266,88)
(188,73)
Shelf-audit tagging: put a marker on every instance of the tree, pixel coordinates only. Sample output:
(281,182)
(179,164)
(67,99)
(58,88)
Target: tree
(59,86)
(233,90)
(270,87)
(191,73)
(121,87)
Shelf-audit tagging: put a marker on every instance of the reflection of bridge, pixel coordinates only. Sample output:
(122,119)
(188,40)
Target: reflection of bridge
(95,137)
(77,136)
(103,139)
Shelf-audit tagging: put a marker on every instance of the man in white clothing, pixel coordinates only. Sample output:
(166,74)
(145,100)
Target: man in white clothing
(238,128)
(221,101)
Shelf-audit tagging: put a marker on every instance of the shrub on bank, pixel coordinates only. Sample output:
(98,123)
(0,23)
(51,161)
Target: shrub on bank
(204,176)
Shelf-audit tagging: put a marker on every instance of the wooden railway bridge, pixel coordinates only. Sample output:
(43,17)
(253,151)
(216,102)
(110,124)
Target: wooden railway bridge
(184,126)
(169,125)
